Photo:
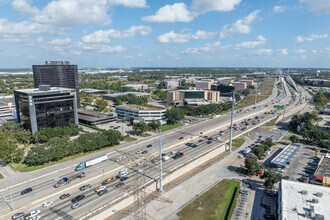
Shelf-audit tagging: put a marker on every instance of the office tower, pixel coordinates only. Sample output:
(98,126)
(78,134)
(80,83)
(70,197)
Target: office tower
(57,74)
(46,107)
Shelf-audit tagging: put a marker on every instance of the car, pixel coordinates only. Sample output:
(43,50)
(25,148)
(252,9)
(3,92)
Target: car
(32,214)
(209,142)
(120,184)
(27,190)
(124,178)
(245,192)
(119,159)
(84,187)
(46,204)
(259,174)
(18,215)
(97,189)
(210,139)
(76,205)
(180,138)
(240,156)
(205,136)
(35,217)
(64,196)
(102,192)
(139,151)
(200,140)
(149,145)
(78,198)
(139,170)
(174,152)
(178,155)
(165,158)
(270,193)
(194,145)
(279,170)
(144,152)
(122,173)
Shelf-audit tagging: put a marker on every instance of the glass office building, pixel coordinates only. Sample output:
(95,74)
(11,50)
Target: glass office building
(46,107)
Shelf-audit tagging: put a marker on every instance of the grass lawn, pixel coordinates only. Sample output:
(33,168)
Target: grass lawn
(238,142)
(145,135)
(278,93)
(1,176)
(128,138)
(217,203)
(270,123)
(286,138)
(169,127)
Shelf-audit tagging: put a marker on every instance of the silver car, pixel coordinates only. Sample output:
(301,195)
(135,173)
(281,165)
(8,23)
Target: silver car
(76,205)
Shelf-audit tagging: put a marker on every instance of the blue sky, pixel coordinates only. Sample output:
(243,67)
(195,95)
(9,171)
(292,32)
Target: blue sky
(166,33)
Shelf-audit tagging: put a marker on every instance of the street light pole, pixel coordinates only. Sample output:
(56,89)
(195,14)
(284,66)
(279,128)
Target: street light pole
(255,98)
(160,161)
(231,123)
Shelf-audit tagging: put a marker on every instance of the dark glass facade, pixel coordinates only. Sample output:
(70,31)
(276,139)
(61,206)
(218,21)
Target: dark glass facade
(225,90)
(194,95)
(57,74)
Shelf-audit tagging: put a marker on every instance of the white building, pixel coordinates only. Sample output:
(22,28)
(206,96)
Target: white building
(303,201)
(204,85)
(137,86)
(138,113)
(171,84)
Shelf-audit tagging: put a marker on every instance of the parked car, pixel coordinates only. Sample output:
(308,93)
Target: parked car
(174,152)
(144,152)
(27,190)
(64,196)
(84,187)
(46,204)
(240,156)
(279,170)
(124,178)
(78,198)
(76,205)
(245,192)
(17,215)
(259,174)
(102,192)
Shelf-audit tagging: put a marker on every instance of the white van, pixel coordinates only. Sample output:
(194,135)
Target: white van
(165,158)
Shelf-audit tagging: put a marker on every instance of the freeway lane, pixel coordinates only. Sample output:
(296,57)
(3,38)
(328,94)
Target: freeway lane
(110,165)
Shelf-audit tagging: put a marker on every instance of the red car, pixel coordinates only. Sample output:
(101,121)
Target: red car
(259,174)
(206,136)
(180,138)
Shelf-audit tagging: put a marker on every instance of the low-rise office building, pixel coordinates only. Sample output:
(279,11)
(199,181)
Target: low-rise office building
(95,118)
(93,91)
(138,113)
(46,107)
(298,201)
(204,85)
(224,89)
(247,81)
(171,84)
(239,86)
(195,97)
(114,95)
(137,86)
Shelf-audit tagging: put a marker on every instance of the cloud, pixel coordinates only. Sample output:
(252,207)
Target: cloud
(24,7)
(283,51)
(172,37)
(300,51)
(130,3)
(260,40)
(240,26)
(203,6)
(60,42)
(207,48)
(262,52)
(170,13)
(279,9)
(101,36)
(312,37)
(318,6)
(74,12)
(25,28)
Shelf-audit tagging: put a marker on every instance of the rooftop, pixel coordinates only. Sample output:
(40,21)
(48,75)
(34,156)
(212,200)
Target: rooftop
(140,108)
(126,93)
(285,155)
(324,167)
(297,200)
(37,91)
(92,90)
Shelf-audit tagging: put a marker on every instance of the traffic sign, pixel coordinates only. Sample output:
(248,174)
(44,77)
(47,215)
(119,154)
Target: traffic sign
(278,106)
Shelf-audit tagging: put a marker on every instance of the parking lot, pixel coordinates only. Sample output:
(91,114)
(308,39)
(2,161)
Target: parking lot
(119,126)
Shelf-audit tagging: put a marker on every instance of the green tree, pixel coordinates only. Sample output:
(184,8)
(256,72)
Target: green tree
(271,178)
(294,139)
(237,97)
(8,145)
(174,115)
(320,99)
(269,142)
(258,151)
(154,124)
(22,135)
(252,165)
(102,104)
(89,99)
(140,127)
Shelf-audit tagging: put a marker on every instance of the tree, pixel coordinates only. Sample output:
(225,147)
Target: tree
(237,97)
(269,142)
(8,145)
(174,115)
(22,135)
(258,151)
(294,139)
(154,124)
(140,127)
(252,165)
(102,104)
(89,99)
(161,94)
(272,178)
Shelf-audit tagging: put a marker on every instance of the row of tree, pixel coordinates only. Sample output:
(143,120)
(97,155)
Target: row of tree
(57,148)
(259,150)
(45,134)
(206,109)
(321,100)
(142,127)
(131,99)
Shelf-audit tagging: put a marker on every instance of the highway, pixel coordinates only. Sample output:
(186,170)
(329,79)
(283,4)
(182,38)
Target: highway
(43,189)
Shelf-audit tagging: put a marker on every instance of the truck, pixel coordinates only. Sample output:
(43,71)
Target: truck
(91,162)
(67,180)
(246,150)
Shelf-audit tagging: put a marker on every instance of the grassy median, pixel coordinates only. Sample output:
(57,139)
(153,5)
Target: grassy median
(237,142)
(169,127)
(217,203)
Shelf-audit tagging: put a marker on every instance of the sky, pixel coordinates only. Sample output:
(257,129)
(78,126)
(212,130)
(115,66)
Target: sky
(166,33)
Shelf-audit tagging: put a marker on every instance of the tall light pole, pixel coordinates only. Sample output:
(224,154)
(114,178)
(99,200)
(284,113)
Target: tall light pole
(255,98)
(231,123)
(160,161)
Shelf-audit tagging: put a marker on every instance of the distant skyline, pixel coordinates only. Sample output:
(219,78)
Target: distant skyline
(152,33)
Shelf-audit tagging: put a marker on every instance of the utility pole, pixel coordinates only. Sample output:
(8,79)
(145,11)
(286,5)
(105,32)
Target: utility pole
(255,98)
(160,161)
(231,123)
